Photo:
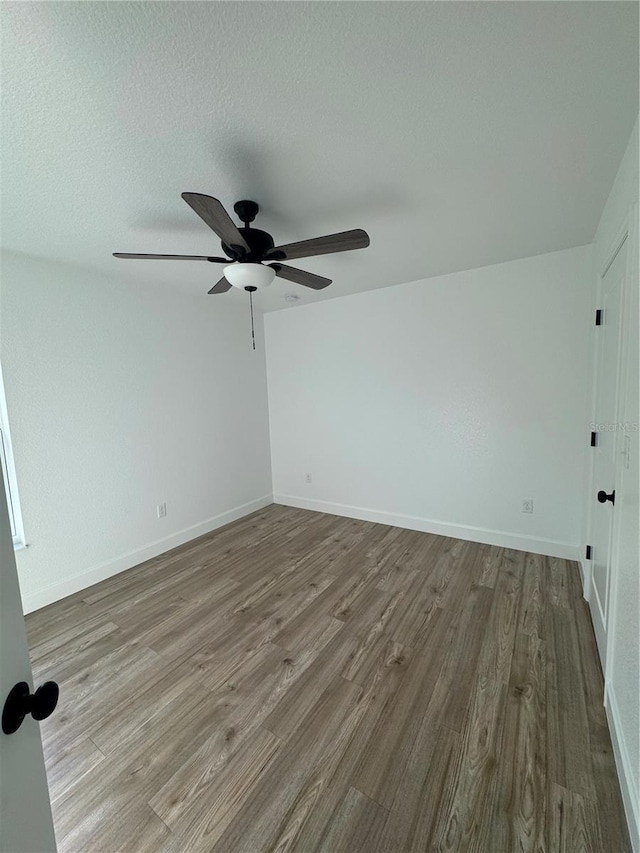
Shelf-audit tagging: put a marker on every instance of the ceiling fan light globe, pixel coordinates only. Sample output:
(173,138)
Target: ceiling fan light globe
(246,275)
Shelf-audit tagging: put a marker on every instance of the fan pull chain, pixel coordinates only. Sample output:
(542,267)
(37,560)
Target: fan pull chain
(253,335)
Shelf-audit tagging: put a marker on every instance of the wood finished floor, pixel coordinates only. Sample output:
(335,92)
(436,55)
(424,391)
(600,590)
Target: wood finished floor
(302,682)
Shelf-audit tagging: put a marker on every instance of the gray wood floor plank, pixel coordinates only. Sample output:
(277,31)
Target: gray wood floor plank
(219,797)
(383,763)
(520,811)
(357,825)
(282,800)
(567,718)
(572,825)
(499,638)
(531,617)
(423,792)
(465,824)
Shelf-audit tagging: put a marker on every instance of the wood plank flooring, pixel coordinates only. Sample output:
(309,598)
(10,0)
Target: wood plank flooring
(302,682)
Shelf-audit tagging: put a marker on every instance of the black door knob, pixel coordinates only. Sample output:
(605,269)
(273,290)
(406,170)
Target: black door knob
(603,497)
(21,702)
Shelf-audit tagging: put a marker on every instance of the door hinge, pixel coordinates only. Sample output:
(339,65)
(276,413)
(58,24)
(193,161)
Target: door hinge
(594,439)
(588,552)
(599,316)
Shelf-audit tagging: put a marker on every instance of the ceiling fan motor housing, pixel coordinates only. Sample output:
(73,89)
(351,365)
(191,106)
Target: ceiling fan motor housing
(259,243)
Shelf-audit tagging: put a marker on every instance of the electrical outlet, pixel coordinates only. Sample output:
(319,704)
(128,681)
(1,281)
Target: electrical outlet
(308,478)
(527,506)
(161,509)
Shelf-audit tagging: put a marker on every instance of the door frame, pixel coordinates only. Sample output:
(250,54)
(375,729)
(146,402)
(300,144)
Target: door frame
(624,233)
(631,224)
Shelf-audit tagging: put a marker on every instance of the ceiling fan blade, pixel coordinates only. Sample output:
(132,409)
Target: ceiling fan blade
(172,257)
(221,287)
(342,242)
(308,279)
(213,213)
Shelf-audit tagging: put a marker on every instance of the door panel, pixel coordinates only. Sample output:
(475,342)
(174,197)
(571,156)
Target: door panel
(25,812)
(609,336)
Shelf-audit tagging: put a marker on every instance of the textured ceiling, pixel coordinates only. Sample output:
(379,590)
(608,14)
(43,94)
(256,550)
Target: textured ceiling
(457,134)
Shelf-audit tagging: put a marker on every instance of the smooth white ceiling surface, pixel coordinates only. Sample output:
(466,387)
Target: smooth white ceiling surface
(457,134)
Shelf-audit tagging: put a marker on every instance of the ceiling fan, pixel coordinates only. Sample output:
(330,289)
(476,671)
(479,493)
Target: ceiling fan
(249,250)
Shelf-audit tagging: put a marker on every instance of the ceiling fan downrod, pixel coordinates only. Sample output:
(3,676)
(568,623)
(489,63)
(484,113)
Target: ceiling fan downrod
(251,291)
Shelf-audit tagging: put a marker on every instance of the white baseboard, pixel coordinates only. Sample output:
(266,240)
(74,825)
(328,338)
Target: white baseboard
(630,796)
(42,597)
(534,544)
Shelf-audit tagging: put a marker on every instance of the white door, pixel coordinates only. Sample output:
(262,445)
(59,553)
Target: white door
(608,337)
(25,812)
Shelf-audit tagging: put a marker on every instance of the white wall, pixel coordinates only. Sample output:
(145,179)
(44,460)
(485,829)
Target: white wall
(441,404)
(121,397)
(622,666)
